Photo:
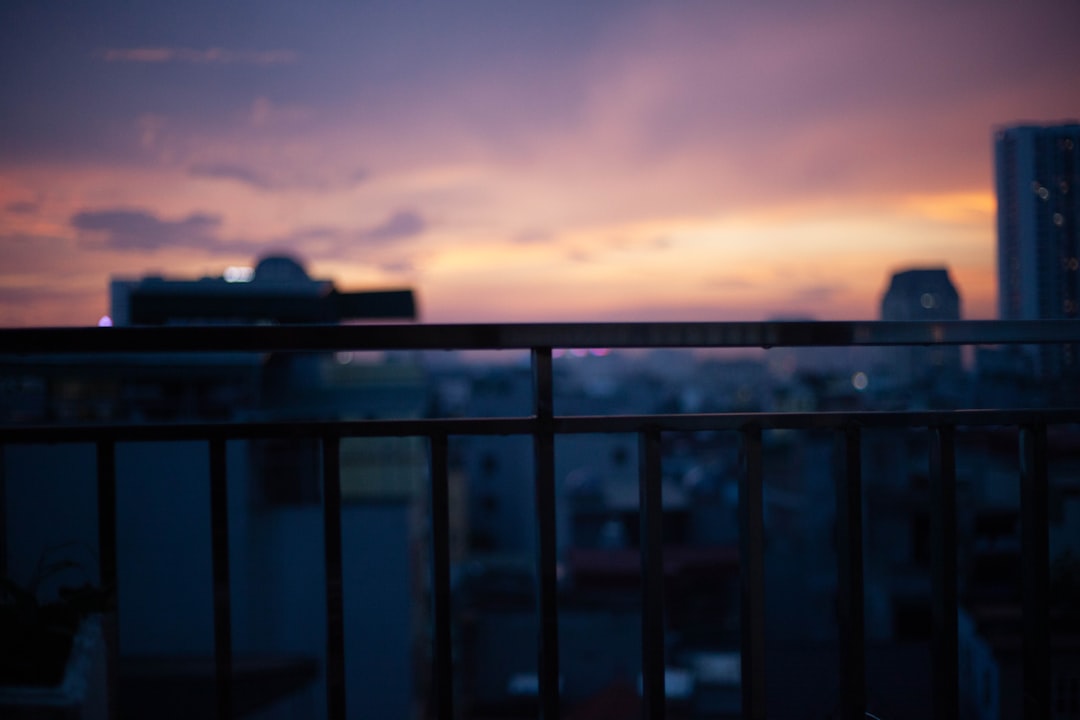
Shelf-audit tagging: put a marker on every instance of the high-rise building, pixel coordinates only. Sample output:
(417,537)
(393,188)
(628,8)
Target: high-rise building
(1037,178)
(922,294)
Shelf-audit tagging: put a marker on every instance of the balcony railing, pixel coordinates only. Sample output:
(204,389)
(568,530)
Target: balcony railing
(543,426)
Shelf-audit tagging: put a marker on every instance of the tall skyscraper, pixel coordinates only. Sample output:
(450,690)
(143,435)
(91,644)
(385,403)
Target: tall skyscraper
(1037,172)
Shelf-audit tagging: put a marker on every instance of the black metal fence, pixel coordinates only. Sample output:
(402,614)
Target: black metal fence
(543,425)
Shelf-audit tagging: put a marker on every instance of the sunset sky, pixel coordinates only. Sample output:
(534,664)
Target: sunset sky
(519,161)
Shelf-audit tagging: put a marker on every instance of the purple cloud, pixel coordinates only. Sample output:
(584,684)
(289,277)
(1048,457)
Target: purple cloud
(126,229)
(141,230)
(259,180)
(399,226)
(209,56)
(238,173)
(24,207)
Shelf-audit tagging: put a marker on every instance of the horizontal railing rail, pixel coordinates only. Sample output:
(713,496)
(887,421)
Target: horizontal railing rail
(308,338)
(543,425)
(530,425)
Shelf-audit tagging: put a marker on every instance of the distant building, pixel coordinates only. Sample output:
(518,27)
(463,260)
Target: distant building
(928,295)
(922,294)
(276,290)
(1037,178)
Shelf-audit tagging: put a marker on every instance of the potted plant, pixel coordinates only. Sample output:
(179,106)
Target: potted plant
(52,651)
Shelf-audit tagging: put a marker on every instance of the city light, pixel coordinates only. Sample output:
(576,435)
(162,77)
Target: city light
(580,352)
(237,274)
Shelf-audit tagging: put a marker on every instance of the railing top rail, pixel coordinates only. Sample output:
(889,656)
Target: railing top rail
(522,336)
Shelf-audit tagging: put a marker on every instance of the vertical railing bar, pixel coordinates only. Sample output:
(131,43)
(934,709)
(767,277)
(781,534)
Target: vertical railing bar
(547,588)
(650,491)
(219,526)
(106,500)
(946,658)
(1035,550)
(335,600)
(850,580)
(106,517)
(3,513)
(752,577)
(442,660)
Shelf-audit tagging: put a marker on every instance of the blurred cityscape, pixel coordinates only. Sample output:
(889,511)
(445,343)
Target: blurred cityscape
(164,597)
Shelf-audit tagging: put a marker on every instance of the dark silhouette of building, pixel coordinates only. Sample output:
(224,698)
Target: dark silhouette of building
(277,290)
(1037,177)
(924,294)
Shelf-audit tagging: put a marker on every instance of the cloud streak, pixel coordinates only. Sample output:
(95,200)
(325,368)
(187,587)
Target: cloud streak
(238,173)
(317,180)
(194,56)
(22,207)
(402,225)
(138,230)
(142,231)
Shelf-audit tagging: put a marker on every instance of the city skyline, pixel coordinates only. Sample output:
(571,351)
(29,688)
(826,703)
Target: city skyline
(620,161)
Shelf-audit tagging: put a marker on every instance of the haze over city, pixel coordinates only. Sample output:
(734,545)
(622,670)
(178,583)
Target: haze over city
(608,160)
